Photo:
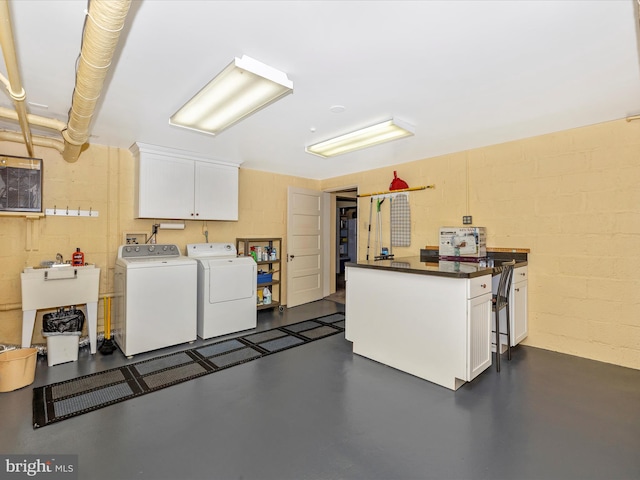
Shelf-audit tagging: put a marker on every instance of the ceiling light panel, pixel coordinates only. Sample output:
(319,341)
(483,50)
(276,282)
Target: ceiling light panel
(244,87)
(366,137)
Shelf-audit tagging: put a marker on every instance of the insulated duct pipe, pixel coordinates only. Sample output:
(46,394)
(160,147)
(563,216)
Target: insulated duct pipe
(14,84)
(103,25)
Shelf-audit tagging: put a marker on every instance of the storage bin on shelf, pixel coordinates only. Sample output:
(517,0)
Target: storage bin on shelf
(17,368)
(264,277)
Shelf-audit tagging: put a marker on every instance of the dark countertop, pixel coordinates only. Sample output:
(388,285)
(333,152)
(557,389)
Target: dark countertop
(498,255)
(417,265)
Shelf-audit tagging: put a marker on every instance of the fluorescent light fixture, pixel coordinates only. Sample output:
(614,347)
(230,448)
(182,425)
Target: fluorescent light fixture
(363,138)
(241,89)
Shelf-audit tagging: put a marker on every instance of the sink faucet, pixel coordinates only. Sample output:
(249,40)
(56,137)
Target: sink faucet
(59,258)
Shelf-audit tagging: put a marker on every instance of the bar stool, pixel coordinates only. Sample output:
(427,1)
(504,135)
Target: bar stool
(499,301)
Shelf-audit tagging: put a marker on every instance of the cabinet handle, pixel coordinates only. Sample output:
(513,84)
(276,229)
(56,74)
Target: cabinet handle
(517,289)
(197,214)
(192,214)
(75,276)
(484,285)
(523,274)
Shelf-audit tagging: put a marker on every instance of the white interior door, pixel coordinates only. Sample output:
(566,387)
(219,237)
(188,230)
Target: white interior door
(304,246)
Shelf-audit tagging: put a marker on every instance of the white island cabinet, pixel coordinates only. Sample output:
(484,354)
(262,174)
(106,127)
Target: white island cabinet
(426,321)
(175,184)
(520,305)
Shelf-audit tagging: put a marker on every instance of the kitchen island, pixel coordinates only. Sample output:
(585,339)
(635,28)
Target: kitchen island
(429,319)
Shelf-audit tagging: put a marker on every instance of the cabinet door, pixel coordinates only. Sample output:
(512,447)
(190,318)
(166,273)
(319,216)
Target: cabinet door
(517,310)
(216,192)
(478,335)
(520,315)
(165,187)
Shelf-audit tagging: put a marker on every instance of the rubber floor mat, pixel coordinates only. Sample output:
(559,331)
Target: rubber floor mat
(60,401)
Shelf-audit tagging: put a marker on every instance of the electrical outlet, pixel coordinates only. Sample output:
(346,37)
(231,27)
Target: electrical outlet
(467,220)
(135,238)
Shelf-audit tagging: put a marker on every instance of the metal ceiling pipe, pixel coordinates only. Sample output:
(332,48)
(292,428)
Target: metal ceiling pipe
(9,136)
(35,120)
(14,85)
(103,25)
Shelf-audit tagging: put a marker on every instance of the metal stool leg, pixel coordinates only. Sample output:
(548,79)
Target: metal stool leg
(497,340)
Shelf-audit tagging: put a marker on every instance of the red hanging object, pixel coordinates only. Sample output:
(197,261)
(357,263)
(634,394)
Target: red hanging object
(397,183)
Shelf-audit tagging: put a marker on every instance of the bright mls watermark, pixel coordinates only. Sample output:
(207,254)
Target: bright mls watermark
(50,467)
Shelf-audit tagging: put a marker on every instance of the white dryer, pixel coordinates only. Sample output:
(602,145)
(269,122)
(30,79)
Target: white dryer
(227,289)
(155,298)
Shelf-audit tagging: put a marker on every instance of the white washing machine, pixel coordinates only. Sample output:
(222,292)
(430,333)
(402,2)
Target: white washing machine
(155,298)
(227,289)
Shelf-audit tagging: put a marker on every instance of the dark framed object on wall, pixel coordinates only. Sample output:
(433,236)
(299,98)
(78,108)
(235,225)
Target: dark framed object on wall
(20,184)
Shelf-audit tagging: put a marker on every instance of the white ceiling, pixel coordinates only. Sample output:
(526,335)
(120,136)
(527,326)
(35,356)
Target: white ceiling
(464,73)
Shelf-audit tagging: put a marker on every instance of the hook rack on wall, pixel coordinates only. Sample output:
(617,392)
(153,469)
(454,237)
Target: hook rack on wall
(65,212)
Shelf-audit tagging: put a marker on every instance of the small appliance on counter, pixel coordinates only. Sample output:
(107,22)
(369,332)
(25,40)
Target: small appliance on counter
(463,244)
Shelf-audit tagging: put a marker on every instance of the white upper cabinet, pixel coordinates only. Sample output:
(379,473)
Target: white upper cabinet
(175,184)
(216,191)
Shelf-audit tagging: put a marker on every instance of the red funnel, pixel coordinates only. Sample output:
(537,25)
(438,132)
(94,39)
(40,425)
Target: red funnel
(397,183)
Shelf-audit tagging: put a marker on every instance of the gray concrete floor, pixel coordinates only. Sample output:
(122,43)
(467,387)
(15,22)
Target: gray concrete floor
(319,412)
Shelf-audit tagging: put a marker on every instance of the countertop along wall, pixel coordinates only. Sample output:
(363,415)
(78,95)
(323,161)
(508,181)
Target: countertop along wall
(103,179)
(572,198)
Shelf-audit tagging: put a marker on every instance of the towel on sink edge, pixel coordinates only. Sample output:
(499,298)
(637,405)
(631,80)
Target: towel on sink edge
(400,221)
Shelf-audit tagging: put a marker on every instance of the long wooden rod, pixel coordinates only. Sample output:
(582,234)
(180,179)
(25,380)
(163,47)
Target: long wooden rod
(410,189)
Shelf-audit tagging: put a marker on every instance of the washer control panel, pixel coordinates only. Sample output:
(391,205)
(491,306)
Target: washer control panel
(145,251)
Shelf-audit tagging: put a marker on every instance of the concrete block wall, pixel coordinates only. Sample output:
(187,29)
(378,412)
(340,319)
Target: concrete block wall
(571,197)
(103,179)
